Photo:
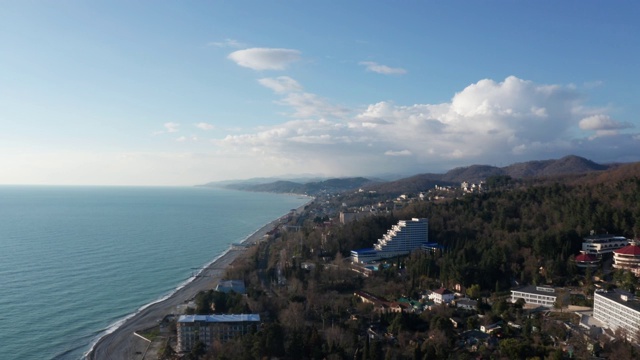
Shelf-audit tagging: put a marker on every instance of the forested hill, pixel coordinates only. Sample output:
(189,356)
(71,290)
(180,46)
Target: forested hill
(569,165)
(527,234)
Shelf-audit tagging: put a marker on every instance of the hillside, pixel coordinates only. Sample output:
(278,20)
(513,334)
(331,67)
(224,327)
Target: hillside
(568,166)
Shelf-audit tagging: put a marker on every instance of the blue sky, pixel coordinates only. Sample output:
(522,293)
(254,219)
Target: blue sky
(182,93)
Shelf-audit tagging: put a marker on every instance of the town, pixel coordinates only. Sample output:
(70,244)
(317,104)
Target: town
(538,269)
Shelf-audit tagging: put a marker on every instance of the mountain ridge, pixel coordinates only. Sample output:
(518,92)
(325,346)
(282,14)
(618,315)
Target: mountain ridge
(565,166)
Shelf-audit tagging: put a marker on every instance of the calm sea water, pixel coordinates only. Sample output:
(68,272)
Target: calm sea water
(75,261)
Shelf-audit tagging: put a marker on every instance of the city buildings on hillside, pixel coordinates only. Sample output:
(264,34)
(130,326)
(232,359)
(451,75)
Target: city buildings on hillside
(207,329)
(618,311)
(628,258)
(603,244)
(401,239)
(536,295)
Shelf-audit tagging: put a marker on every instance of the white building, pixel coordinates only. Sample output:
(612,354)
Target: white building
(536,295)
(401,239)
(603,244)
(617,310)
(441,296)
(628,258)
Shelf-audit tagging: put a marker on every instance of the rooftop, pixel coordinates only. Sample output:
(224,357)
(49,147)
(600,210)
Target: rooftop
(629,250)
(225,318)
(618,297)
(539,290)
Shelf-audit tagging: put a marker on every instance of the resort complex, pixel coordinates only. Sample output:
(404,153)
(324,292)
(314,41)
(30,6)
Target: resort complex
(401,239)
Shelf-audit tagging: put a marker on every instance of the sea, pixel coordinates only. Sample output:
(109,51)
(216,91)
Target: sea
(75,262)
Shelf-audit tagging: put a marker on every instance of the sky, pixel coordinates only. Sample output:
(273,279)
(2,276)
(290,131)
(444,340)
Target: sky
(179,93)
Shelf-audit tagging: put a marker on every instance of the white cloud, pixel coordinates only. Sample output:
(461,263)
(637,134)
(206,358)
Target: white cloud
(281,84)
(169,127)
(486,122)
(398,153)
(602,122)
(227,43)
(205,126)
(307,105)
(265,58)
(382,69)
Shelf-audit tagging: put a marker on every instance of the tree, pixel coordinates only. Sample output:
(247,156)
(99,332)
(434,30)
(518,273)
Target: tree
(473,291)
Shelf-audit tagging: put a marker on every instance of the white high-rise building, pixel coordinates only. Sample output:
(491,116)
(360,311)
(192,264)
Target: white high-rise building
(618,310)
(401,239)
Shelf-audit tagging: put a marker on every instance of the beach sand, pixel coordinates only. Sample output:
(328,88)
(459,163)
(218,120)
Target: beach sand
(124,344)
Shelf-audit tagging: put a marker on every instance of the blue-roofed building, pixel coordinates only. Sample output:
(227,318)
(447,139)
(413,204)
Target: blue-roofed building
(210,328)
(401,239)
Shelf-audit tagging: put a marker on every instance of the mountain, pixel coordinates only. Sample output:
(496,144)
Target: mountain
(567,166)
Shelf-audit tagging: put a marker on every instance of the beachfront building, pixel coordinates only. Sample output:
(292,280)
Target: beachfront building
(536,295)
(618,310)
(628,258)
(207,329)
(601,244)
(401,239)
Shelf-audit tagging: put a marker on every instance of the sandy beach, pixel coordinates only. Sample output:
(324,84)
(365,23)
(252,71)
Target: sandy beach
(124,344)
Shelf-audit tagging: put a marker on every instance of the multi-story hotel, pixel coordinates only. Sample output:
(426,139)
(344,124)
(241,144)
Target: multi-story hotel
(401,239)
(618,310)
(209,328)
(628,258)
(538,295)
(603,244)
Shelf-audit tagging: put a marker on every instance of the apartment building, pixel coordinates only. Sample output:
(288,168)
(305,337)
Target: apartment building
(619,311)
(210,328)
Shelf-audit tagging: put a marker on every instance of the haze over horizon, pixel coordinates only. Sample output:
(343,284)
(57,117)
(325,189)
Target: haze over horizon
(175,93)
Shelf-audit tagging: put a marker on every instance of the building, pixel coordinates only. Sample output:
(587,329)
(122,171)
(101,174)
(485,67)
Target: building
(585,261)
(207,329)
(227,286)
(617,310)
(536,295)
(467,304)
(441,296)
(401,239)
(628,258)
(603,244)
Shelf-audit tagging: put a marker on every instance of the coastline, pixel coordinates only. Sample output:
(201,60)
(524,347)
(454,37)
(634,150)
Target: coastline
(121,343)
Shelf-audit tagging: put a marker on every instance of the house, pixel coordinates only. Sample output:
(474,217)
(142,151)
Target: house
(441,296)
(466,304)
